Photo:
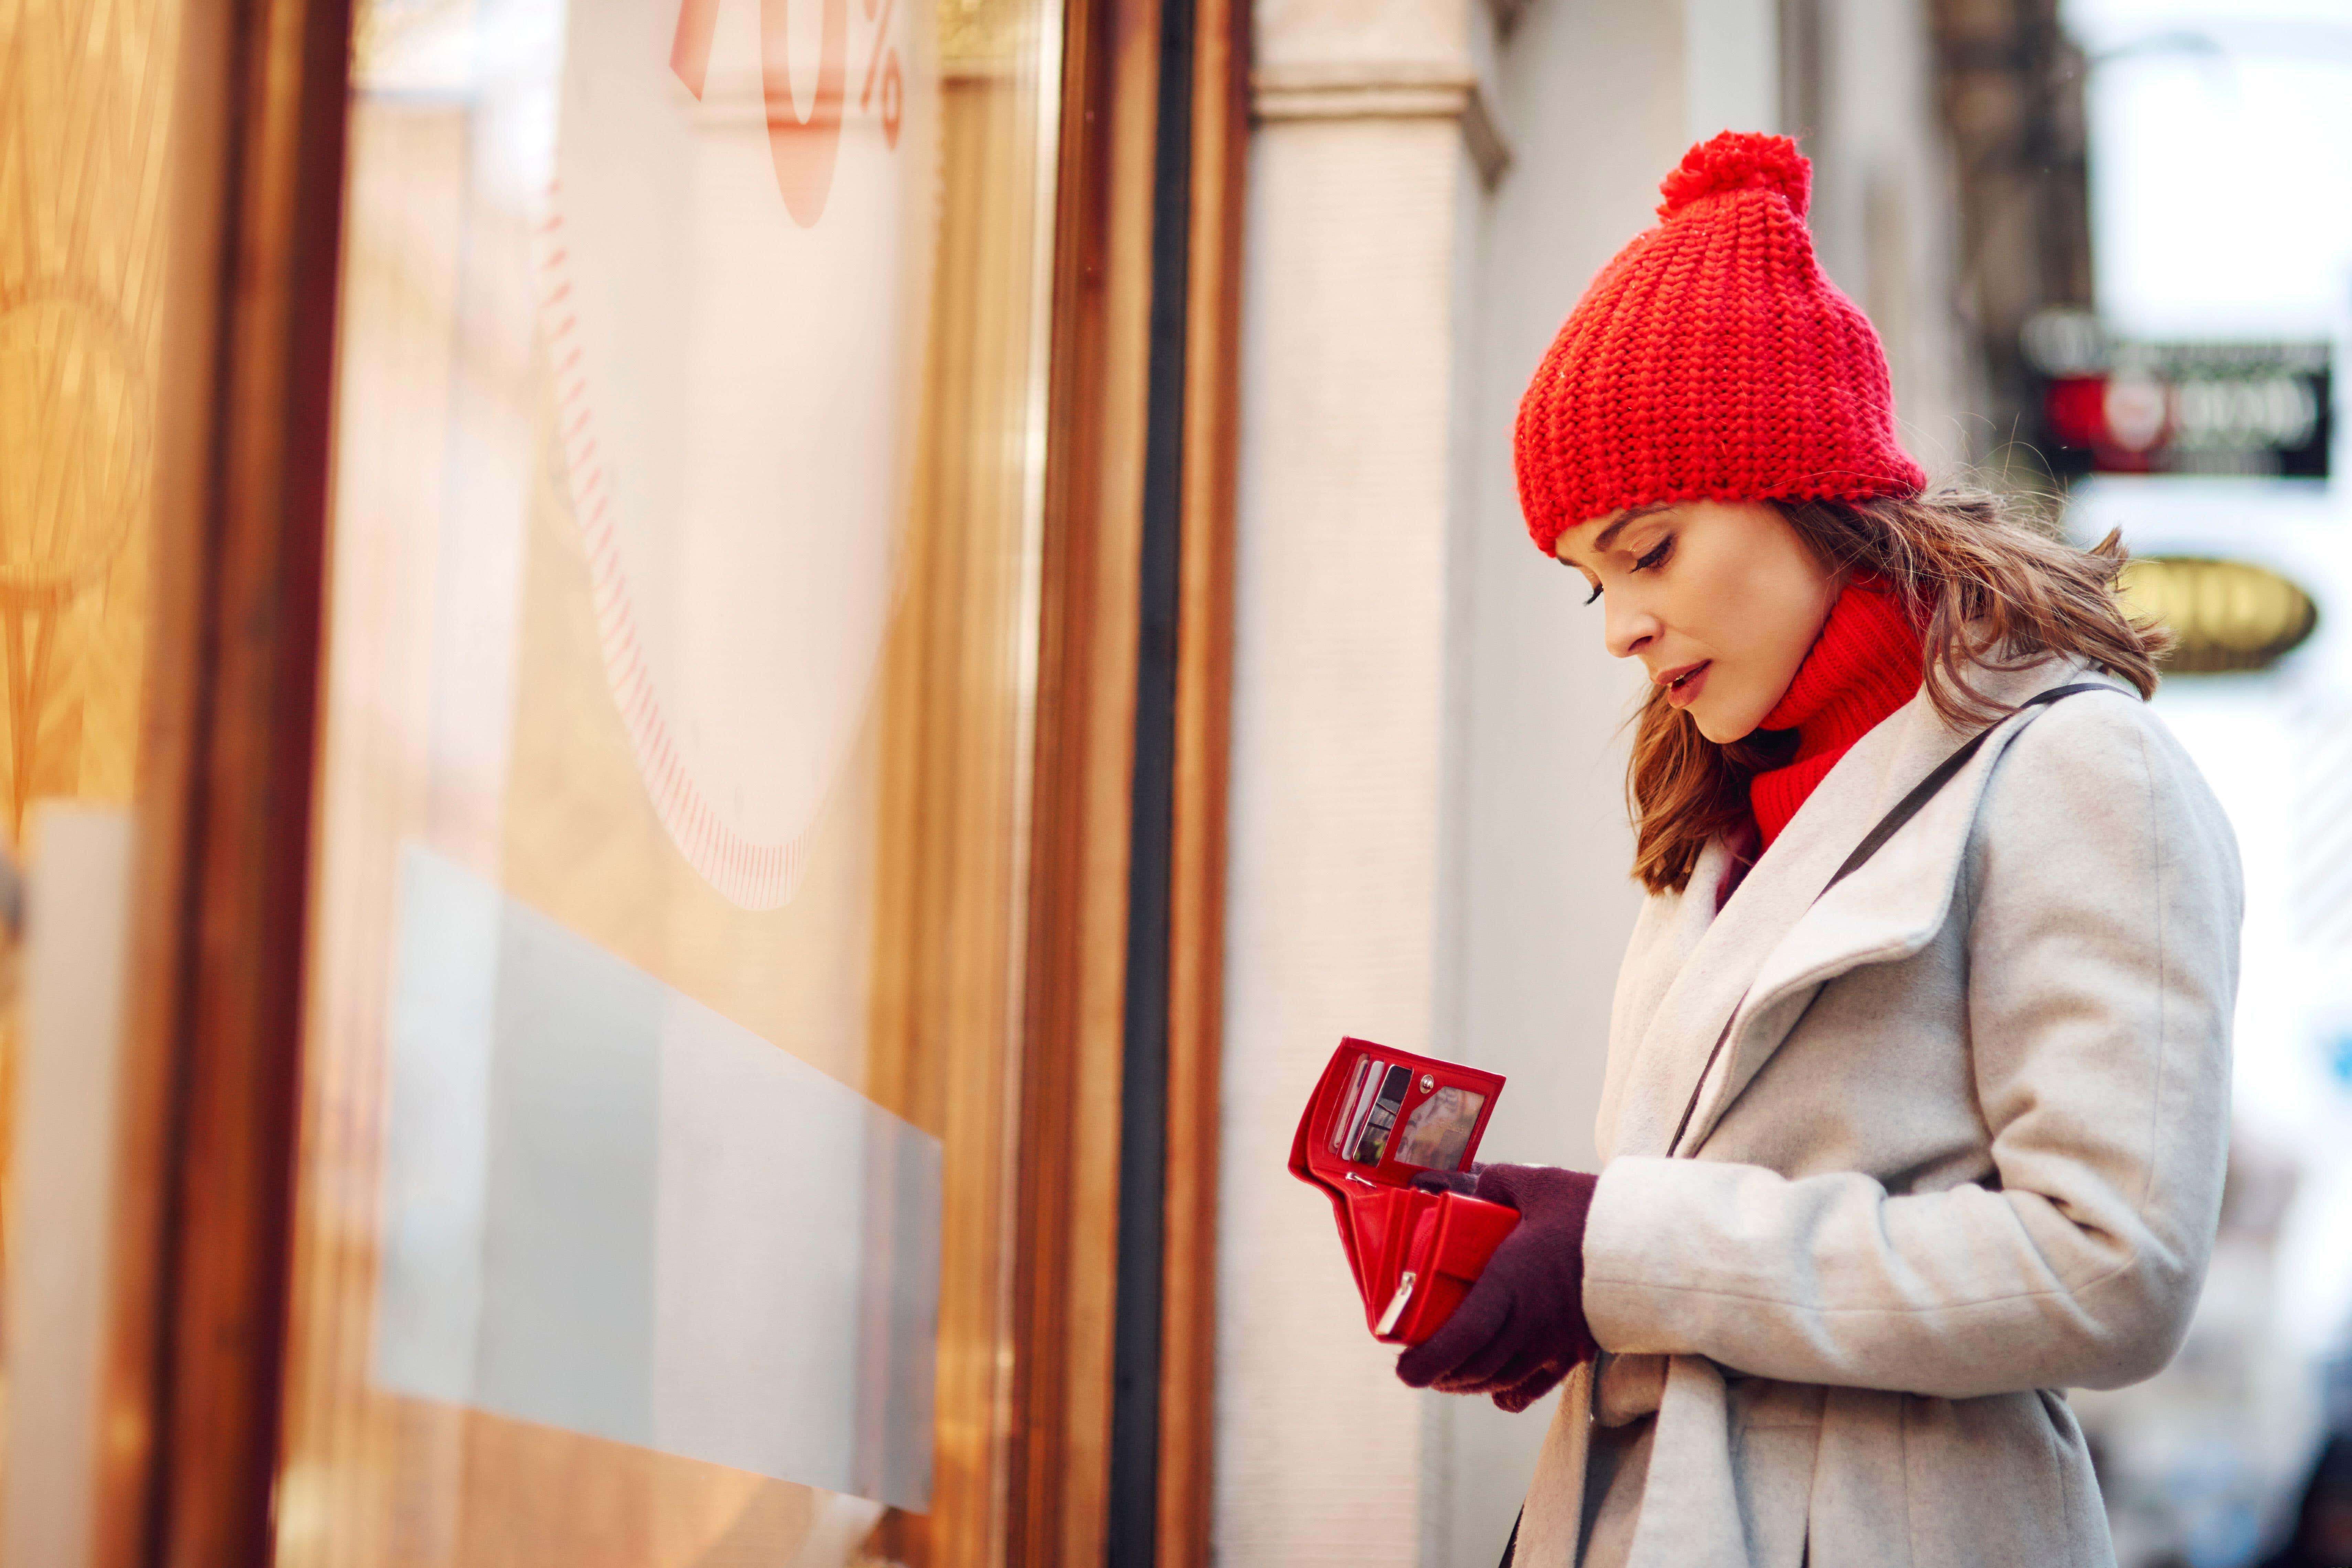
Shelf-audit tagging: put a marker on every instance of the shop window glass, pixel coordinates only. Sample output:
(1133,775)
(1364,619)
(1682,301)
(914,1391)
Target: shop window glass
(664,958)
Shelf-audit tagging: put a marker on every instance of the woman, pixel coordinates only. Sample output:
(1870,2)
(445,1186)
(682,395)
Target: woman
(1887,1164)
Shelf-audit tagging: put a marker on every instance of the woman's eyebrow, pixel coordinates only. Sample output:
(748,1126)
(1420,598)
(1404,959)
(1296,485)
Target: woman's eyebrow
(1608,535)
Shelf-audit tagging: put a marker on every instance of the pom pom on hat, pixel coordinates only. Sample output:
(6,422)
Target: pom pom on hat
(1738,161)
(1711,361)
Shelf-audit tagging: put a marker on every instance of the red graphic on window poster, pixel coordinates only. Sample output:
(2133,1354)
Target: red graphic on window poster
(805,150)
(736,378)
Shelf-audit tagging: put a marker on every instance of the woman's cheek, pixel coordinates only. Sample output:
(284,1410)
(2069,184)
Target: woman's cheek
(1730,708)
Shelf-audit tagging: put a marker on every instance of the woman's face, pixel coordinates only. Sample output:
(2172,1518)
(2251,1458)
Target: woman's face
(1720,600)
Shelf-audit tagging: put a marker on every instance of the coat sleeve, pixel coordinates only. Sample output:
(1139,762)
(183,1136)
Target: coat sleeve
(2103,899)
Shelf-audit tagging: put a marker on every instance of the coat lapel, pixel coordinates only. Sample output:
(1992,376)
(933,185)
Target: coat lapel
(1667,933)
(1773,945)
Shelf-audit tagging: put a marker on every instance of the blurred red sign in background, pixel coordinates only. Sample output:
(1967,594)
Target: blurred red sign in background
(2232,408)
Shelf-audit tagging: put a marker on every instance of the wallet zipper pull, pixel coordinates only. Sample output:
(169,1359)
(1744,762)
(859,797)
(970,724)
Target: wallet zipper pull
(1397,1303)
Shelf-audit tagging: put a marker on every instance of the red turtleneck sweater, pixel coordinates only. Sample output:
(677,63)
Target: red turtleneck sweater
(1864,665)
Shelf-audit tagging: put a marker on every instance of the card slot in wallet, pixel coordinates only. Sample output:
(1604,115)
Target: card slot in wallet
(1378,1119)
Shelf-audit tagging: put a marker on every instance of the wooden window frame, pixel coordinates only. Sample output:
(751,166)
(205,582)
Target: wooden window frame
(189,1391)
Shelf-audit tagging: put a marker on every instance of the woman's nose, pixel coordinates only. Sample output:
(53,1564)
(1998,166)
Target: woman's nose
(1629,629)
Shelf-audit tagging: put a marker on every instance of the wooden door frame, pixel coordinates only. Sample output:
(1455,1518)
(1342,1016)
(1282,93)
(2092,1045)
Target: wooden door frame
(191,1386)
(1117,1259)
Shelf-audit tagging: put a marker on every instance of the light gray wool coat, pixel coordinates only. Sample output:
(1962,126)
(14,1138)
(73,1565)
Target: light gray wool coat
(1962,1150)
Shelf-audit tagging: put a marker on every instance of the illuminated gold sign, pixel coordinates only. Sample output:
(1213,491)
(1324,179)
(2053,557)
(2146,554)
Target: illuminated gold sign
(2229,616)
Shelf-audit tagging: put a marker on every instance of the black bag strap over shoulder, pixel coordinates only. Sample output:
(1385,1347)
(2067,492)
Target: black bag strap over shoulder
(1904,810)
(1901,812)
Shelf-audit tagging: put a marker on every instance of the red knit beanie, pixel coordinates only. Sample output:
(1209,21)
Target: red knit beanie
(1712,360)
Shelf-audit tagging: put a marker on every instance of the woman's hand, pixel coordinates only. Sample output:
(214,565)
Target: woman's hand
(1521,1329)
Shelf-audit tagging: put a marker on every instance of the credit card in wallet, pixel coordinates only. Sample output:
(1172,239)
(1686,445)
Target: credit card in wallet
(1340,1124)
(1359,1105)
(1373,1139)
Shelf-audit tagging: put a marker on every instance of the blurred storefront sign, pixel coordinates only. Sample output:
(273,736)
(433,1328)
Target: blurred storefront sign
(2112,405)
(2231,616)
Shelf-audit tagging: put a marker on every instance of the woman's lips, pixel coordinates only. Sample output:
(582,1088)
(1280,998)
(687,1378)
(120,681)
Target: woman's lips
(1683,686)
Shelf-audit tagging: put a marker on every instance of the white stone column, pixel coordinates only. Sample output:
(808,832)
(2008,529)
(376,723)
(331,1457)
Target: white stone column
(1372,143)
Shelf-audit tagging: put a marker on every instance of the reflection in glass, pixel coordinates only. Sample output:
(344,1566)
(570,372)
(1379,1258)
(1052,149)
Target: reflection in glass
(85,109)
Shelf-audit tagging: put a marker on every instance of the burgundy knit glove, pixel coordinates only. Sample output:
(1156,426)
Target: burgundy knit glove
(1463,1181)
(1521,1329)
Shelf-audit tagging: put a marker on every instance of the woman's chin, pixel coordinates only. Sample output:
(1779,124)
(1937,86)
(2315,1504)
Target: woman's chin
(1722,728)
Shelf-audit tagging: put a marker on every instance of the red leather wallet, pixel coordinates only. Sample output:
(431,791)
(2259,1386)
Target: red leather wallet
(1378,1119)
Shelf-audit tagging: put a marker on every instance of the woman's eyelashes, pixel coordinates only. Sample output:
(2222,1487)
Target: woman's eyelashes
(1657,556)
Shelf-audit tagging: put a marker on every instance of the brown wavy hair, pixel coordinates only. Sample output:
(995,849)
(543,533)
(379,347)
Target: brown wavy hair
(1993,593)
